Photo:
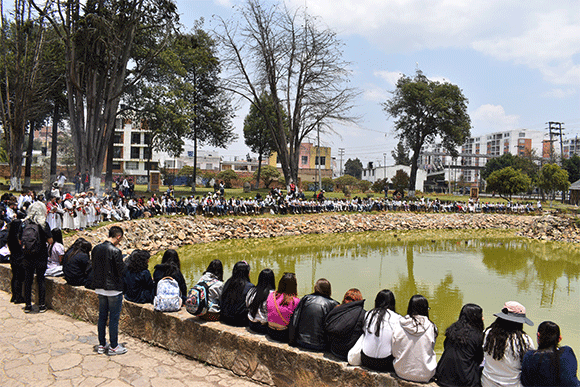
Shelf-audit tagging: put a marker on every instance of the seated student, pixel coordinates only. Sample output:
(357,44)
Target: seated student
(463,350)
(138,283)
(55,254)
(550,365)
(233,300)
(344,324)
(379,323)
(76,263)
(413,343)
(214,276)
(504,346)
(280,306)
(306,328)
(170,266)
(256,301)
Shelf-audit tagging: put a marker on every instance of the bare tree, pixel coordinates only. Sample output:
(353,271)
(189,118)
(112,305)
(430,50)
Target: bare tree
(298,62)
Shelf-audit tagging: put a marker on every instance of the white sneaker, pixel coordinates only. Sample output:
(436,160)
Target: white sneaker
(118,350)
(101,349)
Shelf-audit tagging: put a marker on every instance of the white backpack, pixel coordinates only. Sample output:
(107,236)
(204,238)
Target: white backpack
(168,296)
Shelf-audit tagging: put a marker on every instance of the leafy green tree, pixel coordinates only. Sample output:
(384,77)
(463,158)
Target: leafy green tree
(508,182)
(524,164)
(380,185)
(572,166)
(228,176)
(401,154)
(552,178)
(108,45)
(299,62)
(400,181)
(269,175)
(364,185)
(425,110)
(353,168)
(257,136)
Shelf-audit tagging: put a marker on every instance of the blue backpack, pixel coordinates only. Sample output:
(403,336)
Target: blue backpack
(197,302)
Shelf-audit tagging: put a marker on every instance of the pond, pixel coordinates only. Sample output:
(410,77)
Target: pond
(448,267)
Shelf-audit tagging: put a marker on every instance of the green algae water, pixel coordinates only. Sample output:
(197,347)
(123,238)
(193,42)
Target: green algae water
(450,268)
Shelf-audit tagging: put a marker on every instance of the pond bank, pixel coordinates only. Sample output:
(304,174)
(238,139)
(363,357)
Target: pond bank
(159,233)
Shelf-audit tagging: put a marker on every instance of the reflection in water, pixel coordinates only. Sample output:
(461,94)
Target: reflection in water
(450,268)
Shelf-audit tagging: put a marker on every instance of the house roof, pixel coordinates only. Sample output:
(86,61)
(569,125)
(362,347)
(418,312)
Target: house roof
(575,186)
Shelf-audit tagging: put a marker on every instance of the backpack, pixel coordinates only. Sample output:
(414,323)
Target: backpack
(30,238)
(168,296)
(197,302)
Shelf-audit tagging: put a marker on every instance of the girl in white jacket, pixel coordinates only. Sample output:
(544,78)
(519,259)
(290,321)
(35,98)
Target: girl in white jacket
(413,343)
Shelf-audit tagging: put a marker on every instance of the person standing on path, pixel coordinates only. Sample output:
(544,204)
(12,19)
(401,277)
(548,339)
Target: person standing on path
(108,271)
(34,234)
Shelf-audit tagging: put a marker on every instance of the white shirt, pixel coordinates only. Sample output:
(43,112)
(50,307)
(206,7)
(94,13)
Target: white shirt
(506,371)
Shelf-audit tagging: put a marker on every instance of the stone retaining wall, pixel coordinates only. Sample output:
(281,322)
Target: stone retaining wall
(246,354)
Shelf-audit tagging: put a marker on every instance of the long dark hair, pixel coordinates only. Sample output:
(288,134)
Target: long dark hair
(216,268)
(171,257)
(13,243)
(81,245)
(384,302)
(233,291)
(138,261)
(56,237)
(288,287)
(419,306)
(470,319)
(266,283)
(498,335)
(548,343)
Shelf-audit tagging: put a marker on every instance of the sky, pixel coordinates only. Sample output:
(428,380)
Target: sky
(517,62)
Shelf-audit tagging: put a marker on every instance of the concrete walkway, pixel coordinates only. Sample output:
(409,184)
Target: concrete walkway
(50,349)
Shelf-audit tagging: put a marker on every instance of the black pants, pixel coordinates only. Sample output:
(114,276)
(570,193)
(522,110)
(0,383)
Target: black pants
(34,266)
(382,365)
(17,266)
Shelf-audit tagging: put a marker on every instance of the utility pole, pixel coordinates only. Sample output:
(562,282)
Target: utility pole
(384,166)
(318,157)
(340,153)
(555,128)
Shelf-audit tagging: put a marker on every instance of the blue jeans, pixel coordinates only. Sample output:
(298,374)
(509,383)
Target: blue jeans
(109,307)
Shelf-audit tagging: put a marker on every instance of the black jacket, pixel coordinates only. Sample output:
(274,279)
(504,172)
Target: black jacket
(167,270)
(306,329)
(234,313)
(108,267)
(77,269)
(460,363)
(344,325)
(139,287)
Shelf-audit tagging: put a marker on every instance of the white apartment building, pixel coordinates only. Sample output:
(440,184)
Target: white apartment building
(389,171)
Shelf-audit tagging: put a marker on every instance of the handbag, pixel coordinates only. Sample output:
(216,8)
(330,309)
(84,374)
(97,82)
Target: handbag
(354,355)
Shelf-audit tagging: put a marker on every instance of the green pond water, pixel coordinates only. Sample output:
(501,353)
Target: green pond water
(450,268)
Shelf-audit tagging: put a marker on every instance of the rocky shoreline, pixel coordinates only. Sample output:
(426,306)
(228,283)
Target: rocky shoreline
(159,233)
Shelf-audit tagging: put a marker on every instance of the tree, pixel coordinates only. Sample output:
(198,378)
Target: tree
(269,175)
(381,185)
(227,176)
(508,182)
(24,84)
(101,38)
(552,178)
(401,154)
(572,166)
(400,181)
(299,63)
(425,110)
(525,164)
(181,97)
(256,134)
(353,168)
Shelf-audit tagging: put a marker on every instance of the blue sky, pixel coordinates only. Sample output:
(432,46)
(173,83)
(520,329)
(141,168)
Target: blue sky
(518,63)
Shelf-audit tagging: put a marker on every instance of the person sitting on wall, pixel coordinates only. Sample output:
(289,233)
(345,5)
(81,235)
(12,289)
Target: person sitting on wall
(138,283)
(76,263)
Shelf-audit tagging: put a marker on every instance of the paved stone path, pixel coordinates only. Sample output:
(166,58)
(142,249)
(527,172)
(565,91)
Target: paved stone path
(50,349)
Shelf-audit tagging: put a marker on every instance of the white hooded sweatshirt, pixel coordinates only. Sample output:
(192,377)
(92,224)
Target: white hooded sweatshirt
(413,347)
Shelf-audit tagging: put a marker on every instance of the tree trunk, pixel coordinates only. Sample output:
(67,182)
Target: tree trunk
(413,176)
(194,160)
(109,167)
(28,165)
(259,171)
(54,143)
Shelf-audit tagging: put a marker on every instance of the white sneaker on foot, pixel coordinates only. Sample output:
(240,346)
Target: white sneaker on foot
(118,350)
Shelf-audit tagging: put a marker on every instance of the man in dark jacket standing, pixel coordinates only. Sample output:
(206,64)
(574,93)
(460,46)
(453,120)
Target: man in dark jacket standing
(108,271)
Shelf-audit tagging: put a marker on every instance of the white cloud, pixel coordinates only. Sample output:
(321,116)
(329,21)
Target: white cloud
(492,118)
(560,93)
(375,94)
(390,76)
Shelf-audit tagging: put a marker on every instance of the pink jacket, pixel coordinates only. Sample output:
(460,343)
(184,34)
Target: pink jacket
(282,318)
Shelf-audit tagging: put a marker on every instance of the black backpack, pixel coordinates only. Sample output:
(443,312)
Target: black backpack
(30,238)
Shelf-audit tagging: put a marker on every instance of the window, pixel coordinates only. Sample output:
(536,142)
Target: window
(169,163)
(131,165)
(135,138)
(304,160)
(522,134)
(117,138)
(135,152)
(151,166)
(147,138)
(147,153)
(118,152)
(116,166)
(209,166)
(322,160)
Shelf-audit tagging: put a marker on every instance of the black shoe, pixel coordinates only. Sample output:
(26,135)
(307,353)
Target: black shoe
(28,309)
(19,300)
(42,308)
